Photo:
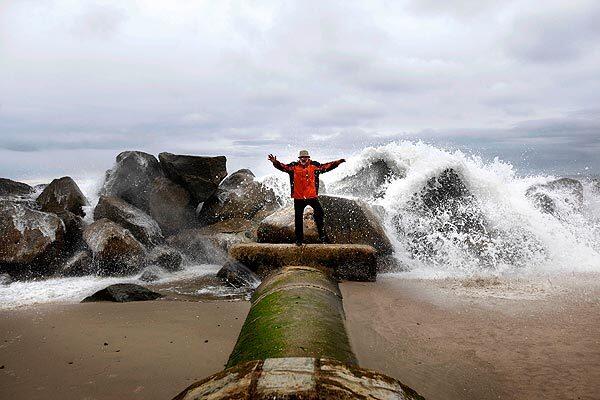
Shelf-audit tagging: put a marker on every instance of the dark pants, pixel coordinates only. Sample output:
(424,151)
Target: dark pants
(299,206)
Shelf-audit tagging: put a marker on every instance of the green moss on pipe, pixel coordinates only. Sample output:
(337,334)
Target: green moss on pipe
(294,313)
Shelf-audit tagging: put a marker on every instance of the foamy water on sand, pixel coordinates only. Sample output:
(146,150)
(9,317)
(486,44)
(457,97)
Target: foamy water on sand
(73,290)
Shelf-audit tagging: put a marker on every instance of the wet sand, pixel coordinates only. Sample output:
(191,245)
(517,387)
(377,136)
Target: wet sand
(481,339)
(448,339)
(142,350)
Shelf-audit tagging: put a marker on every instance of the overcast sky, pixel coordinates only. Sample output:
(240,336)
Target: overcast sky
(82,80)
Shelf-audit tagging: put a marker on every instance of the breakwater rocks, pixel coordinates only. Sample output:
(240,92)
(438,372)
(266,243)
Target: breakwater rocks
(157,214)
(192,206)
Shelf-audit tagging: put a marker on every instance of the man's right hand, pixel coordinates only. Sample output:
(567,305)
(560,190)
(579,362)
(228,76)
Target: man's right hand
(272,158)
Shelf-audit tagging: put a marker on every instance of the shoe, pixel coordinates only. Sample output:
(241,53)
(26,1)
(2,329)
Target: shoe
(298,243)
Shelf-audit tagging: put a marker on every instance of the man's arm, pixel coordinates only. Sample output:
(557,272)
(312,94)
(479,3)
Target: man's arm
(330,165)
(279,165)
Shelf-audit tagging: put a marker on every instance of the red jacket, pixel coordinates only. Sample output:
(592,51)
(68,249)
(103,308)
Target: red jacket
(304,181)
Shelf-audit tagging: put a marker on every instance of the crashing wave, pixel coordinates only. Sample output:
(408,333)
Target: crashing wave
(451,214)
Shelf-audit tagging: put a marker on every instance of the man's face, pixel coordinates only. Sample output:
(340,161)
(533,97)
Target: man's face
(304,160)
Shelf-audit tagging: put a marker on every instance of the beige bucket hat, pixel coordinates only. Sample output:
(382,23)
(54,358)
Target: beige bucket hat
(303,153)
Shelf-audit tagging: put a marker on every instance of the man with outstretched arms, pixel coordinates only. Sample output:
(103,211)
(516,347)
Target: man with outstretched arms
(304,182)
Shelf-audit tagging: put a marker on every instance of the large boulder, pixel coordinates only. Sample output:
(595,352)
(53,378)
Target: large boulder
(566,191)
(171,206)
(116,251)
(62,194)
(74,226)
(30,240)
(10,189)
(140,224)
(238,196)
(369,181)
(123,292)
(166,258)
(347,221)
(131,178)
(201,176)
(279,227)
(442,217)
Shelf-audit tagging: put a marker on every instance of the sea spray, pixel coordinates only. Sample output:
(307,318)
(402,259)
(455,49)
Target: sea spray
(518,237)
(488,226)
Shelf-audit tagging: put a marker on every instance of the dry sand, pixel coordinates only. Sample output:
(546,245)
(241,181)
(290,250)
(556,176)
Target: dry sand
(142,350)
(535,338)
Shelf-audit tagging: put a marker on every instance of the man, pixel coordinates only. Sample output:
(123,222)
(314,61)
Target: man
(304,181)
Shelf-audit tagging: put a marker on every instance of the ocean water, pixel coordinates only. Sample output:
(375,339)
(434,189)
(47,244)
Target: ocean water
(497,231)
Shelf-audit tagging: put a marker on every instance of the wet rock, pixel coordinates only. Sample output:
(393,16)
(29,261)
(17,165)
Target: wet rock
(170,206)
(80,264)
(151,274)
(5,279)
(237,275)
(565,190)
(141,225)
(74,227)
(10,189)
(596,185)
(238,196)
(115,249)
(346,221)
(232,225)
(279,227)
(205,248)
(62,194)
(201,176)
(30,240)
(444,210)
(369,181)
(131,178)
(123,292)
(165,257)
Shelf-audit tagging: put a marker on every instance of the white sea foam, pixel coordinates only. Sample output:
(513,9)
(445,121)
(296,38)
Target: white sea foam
(72,290)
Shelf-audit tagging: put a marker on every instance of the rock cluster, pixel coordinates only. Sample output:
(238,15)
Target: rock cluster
(154,214)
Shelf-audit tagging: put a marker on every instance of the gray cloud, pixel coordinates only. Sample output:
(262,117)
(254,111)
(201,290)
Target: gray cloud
(556,33)
(244,80)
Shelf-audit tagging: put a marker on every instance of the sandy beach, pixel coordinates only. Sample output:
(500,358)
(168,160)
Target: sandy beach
(143,350)
(522,338)
(481,339)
